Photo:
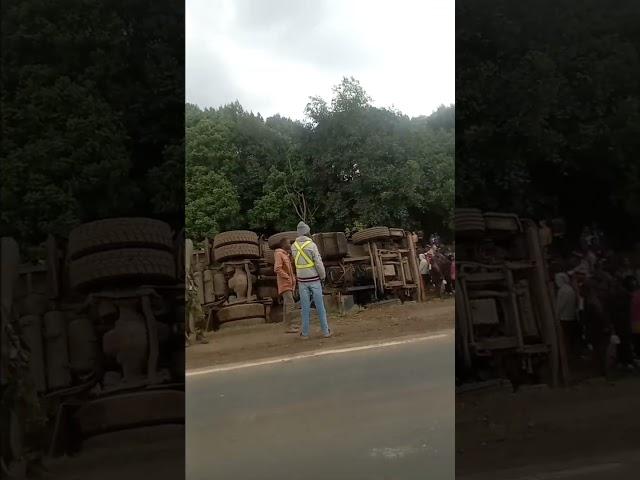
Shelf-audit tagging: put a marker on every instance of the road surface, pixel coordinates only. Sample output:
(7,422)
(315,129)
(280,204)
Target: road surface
(579,432)
(379,414)
(622,466)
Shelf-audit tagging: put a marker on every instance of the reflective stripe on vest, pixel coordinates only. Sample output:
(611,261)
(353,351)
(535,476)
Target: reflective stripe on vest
(301,253)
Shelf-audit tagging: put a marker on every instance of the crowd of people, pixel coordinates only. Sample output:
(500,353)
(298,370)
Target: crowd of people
(597,301)
(437,268)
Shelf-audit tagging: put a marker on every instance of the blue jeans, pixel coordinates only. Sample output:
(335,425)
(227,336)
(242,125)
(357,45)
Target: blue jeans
(307,290)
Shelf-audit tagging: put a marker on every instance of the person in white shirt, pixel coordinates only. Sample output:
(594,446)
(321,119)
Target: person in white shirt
(566,311)
(423,266)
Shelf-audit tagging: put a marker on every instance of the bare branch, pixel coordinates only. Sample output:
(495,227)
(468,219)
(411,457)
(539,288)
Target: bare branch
(295,205)
(305,207)
(296,208)
(315,210)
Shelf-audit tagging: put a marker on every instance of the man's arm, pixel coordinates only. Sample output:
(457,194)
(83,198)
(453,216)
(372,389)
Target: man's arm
(277,267)
(315,253)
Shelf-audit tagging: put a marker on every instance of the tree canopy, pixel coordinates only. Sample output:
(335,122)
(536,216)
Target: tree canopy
(549,110)
(92,114)
(348,164)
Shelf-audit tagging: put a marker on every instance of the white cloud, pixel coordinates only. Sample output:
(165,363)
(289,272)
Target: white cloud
(272,55)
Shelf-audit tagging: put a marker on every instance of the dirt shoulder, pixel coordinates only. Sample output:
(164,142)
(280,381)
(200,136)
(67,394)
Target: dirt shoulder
(498,430)
(380,323)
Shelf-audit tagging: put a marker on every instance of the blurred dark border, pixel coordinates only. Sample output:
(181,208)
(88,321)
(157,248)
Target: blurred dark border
(93,313)
(548,118)
(548,129)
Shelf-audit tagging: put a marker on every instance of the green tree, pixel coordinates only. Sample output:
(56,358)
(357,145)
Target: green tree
(90,96)
(550,125)
(349,95)
(351,164)
(376,166)
(274,210)
(212,204)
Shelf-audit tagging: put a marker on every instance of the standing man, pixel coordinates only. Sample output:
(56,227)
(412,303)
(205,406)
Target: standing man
(286,279)
(196,321)
(546,235)
(567,313)
(310,272)
(196,325)
(453,272)
(423,266)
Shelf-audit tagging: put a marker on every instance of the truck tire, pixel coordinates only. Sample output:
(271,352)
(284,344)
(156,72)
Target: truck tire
(239,312)
(274,240)
(245,322)
(181,254)
(466,224)
(113,233)
(469,229)
(468,221)
(126,265)
(502,222)
(233,237)
(268,254)
(368,234)
(467,214)
(236,250)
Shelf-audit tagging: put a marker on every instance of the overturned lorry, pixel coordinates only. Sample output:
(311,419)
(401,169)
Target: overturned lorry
(94,331)
(506,324)
(235,277)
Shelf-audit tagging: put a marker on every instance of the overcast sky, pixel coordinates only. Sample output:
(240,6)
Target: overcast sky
(271,55)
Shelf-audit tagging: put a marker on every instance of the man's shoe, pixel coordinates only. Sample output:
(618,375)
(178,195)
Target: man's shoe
(327,335)
(304,337)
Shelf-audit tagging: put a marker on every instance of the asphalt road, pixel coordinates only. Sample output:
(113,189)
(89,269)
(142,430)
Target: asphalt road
(381,414)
